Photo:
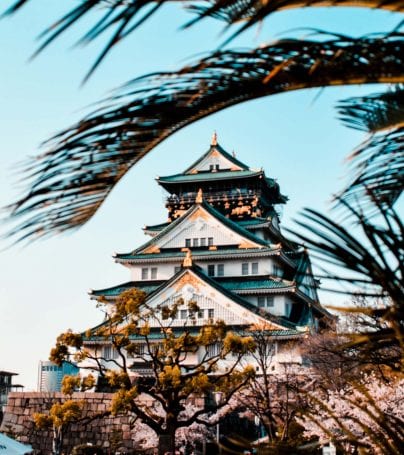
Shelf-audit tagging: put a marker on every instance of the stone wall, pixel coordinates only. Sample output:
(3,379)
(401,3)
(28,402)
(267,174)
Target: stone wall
(114,434)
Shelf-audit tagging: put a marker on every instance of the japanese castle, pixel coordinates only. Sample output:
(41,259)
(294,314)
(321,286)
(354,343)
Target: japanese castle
(222,247)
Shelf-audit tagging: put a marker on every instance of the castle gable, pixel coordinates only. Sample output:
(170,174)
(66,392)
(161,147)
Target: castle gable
(201,227)
(213,302)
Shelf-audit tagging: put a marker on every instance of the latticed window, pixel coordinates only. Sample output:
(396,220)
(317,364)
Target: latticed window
(211,313)
(265,301)
(220,269)
(195,242)
(201,314)
(211,270)
(153,273)
(244,268)
(254,268)
(276,271)
(210,241)
(184,314)
(145,273)
(213,349)
(203,241)
(188,243)
(107,352)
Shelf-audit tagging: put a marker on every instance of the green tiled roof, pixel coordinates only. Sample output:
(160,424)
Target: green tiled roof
(156,227)
(156,334)
(201,254)
(146,286)
(234,284)
(207,176)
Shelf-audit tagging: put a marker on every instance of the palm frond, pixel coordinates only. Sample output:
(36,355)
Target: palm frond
(122,17)
(374,113)
(375,265)
(251,12)
(83,163)
(378,163)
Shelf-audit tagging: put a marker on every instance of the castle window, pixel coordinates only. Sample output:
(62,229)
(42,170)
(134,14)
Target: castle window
(145,273)
(203,241)
(211,313)
(276,271)
(265,301)
(254,268)
(211,270)
(210,241)
(244,268)
(287,308)
(153,273)
(184,314)
(188,243)
(201,314)
(107,352)
(195,242)
(213,349)
(220,269)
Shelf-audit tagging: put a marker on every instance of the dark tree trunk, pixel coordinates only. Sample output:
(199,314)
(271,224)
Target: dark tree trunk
(166,444)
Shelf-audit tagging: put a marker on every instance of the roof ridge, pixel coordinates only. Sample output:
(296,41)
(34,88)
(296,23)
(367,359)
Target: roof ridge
(221,150)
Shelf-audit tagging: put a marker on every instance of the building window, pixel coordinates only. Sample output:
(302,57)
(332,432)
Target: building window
(211,313)
(244,268)
(153,273)
(254,268)
(184,314)
(107,352)
(145,274)
(195,242)
(210,241)
(211,270)
(220,269)
(188,243)
(213,349)
(203,241)
(265,301)
(287,308)
(201,314)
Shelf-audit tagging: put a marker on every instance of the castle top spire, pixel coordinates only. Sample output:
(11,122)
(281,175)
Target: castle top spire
(214,138)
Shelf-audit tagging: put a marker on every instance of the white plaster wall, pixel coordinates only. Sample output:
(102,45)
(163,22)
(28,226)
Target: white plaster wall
(231,267)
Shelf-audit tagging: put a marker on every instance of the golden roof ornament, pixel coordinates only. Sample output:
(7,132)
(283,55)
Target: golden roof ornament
(188,259)
(214,139)
(199,197)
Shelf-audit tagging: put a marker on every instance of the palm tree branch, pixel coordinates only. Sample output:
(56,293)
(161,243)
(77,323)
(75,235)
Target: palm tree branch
(377,164)
(82,164)
(124,16)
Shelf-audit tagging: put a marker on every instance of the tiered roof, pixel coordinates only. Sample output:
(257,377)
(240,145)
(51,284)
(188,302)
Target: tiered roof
(244,241)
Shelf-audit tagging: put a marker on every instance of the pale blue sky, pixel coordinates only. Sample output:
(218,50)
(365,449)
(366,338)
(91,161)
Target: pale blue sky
(297,139)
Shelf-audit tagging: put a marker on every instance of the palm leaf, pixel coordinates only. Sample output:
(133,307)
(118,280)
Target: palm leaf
(374,113)
(82,164)
(378,163)
(122,17)
(372,267)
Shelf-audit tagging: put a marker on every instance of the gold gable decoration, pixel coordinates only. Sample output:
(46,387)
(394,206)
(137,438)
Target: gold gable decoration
(188,259)
(199,197)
